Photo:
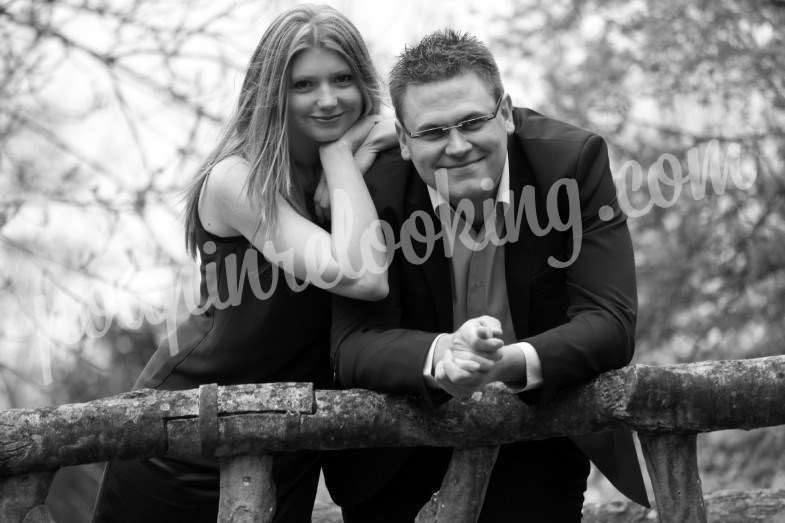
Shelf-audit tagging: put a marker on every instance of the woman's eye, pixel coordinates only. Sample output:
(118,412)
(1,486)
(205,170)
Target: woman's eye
(301,85)
(344,79)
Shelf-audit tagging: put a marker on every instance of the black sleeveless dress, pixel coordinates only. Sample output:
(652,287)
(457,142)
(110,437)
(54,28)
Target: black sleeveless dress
(254,332)
(253,328)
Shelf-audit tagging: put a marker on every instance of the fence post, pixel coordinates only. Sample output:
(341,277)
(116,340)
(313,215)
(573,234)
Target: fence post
(247,493)
(673,467)
(22,498)
(462,493)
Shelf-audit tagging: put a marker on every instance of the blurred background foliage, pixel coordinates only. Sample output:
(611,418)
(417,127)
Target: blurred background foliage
(107,106)
(677,78)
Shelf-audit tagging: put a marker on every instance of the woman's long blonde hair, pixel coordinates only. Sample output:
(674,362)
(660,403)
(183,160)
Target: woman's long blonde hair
(257,131)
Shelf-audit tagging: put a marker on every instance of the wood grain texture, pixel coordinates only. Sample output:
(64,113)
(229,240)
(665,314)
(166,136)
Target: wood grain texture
(672,460)
(462,491)
(247,491)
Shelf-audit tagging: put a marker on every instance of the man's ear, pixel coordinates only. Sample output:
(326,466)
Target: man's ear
(402,141)
(506,111)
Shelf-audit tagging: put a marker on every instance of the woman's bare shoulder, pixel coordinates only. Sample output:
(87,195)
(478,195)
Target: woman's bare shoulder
(227,178)
(230,167)
(223,191)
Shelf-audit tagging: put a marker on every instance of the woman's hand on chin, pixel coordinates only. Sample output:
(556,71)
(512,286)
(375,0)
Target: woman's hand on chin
(381,137)
(378,137)
(354,137)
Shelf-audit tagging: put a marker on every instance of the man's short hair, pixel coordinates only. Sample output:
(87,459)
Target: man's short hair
(442,55)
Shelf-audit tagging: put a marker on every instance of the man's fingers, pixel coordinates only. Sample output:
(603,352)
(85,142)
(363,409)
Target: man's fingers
(489,332)
(457,374)
(489,321)
(449,371)
(476,365)
(487,348)
(484,359)
(488,327)
(470,366)
(489,345)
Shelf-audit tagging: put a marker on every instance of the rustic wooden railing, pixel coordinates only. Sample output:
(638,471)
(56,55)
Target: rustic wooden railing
(668,406)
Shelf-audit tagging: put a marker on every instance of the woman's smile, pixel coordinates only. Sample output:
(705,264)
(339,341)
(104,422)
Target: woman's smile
(327,119)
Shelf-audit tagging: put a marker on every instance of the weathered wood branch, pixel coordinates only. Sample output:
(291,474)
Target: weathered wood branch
(749,506)
(461,495)
(22,498)
(247,491)
(699,397)
(752,506)
(672,460)
(128,425)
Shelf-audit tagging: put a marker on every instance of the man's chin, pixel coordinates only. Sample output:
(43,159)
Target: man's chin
(471,196)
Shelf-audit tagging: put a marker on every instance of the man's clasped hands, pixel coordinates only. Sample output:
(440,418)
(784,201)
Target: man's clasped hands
(474,355)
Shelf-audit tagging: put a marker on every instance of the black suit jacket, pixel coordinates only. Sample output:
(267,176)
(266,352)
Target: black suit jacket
(580,319)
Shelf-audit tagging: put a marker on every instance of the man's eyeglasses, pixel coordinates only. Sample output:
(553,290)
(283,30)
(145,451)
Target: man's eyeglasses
(475,123)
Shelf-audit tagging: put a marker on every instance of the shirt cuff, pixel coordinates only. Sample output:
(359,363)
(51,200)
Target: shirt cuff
(427,370)
(533,366)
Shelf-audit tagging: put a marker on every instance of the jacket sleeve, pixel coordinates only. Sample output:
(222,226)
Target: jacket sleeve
(370,349)
(600,286)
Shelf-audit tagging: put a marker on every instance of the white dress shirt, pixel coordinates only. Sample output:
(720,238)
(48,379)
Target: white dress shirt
(479,285)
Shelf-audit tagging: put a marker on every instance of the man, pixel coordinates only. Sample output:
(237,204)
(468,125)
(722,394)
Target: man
(541,304)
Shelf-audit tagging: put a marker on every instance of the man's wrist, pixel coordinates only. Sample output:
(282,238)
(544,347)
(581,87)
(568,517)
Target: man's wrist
(440,344)
(512,367)
(443,344)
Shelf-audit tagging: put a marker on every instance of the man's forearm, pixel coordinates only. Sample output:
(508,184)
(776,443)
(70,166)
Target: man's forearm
(511,367)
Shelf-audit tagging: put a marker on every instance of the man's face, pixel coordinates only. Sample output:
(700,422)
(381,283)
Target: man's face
(474,157)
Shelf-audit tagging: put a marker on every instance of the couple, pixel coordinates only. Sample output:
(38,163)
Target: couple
(306,130)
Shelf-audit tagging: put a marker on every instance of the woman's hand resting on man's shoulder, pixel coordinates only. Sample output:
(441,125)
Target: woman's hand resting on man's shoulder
(367,138)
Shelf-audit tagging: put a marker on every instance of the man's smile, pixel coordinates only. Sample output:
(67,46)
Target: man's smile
(459,165)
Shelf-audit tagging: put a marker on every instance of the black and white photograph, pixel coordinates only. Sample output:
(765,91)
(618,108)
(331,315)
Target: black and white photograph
(387,262)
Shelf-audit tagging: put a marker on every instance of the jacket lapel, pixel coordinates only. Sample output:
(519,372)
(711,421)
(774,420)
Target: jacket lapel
(516,266)
(436,268)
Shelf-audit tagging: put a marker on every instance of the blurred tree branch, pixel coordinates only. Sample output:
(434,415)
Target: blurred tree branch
(670,77)
(106,107)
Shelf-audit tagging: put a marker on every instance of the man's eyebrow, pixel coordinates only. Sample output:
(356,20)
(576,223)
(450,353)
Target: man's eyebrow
(467,116)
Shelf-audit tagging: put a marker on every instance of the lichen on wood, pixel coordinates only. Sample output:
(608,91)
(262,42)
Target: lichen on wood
(679,400)
(247,491)
(22,498)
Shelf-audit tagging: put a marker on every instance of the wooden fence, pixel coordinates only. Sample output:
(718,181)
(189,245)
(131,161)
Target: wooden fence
(667,406)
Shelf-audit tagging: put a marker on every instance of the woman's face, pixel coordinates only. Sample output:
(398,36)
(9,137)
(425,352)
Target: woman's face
(324,95)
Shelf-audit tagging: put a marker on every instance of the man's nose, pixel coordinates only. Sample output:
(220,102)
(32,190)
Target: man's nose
(327,98)
(457,145)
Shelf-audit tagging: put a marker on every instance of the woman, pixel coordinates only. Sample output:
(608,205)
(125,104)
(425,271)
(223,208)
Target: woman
(306,110)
